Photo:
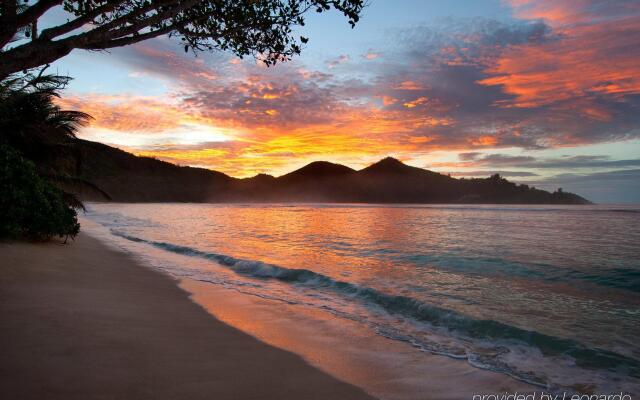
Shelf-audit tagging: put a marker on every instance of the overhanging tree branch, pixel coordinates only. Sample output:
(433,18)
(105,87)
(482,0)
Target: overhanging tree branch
(8,21)
(36,11)
(70,26)
(244,27)
(123,41)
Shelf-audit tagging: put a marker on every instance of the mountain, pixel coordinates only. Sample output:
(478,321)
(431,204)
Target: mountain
(392,166)
(129,178)
(317,170)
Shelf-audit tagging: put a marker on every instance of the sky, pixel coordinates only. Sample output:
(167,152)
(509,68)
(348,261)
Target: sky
(543,92)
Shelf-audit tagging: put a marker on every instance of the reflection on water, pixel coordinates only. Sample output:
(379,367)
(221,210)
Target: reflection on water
(384,368)
(549,295)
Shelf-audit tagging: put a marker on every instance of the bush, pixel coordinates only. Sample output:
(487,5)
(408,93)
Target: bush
(31,207)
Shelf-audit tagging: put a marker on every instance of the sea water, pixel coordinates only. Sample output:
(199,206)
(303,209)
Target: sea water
(549,295)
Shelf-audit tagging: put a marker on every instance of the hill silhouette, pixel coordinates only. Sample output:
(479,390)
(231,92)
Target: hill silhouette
(129,178)
(317,170)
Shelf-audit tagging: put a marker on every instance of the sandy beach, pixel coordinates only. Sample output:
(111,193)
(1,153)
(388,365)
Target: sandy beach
(82,321)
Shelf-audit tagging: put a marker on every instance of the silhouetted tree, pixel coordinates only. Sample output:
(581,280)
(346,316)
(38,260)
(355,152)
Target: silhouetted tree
(30,121)
(245,27)
(41,131)
(30,207)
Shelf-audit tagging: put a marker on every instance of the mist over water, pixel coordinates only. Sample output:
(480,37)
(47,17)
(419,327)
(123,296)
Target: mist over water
(547,294)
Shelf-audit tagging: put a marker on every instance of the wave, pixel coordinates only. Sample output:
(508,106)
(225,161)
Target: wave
(455,323)
(619,278)
(622,210)
(622,277)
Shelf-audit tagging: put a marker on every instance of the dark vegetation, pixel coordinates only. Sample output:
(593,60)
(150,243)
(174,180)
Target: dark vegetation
(39,160)
(31,207)
(140,179)
(126,177)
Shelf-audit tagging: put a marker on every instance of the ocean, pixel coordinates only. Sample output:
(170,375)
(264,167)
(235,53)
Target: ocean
(548,295)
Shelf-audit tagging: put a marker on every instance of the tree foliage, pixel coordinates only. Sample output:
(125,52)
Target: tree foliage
(30,206)
(261,28)
(39,159)
(31,122)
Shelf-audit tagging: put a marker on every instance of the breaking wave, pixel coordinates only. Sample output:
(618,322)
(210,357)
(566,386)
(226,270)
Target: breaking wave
(456,324)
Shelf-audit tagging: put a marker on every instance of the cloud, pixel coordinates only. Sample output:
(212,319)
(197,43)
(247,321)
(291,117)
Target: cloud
(342,59)
(489,173)
(602,187)
(559,74)
(127,113)
(590,66)
(494,80)
(476,159)
(162,58)
(469,156)
(371,55)
(574,12)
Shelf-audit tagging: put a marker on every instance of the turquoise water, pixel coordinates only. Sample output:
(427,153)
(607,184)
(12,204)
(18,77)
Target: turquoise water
(549,295)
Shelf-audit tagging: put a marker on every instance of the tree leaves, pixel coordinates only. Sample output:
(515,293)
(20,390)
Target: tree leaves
(259,28)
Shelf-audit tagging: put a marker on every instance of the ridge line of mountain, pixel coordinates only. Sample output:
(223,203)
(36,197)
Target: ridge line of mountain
(130,178)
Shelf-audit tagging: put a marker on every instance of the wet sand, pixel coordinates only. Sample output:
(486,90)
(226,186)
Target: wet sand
(387,369)
(82,321)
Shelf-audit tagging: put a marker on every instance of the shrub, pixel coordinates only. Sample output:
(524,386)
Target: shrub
(30,207)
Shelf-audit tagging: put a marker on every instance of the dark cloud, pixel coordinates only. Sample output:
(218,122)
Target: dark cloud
(489,173)
(453,79)
(504,159)
(260,101)
(163,58)
(464,69)
(566,162)
(543,80)
(469,156)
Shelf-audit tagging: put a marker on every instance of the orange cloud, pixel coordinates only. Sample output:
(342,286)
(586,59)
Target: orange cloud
(590,56)
(408,85)
(523,85)
(230,143)
(371,55)
(127,113)
(417,102)
(388,100)
(485,140)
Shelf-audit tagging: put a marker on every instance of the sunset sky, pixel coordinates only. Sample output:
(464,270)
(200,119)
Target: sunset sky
(543,92)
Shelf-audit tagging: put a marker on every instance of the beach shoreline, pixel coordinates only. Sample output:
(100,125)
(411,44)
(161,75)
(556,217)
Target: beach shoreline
(337,360)
(84,321)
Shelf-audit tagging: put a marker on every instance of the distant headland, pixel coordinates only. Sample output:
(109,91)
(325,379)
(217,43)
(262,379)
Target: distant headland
(125,177)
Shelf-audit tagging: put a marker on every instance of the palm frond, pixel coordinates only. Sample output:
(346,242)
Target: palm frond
(73,201)
(68,122)
(73,180)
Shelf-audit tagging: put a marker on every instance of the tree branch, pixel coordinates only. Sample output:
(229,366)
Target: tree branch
(123,41)
(35,11)
(131,16)
(244,27)
(150,20)
(8,22)
(72,25)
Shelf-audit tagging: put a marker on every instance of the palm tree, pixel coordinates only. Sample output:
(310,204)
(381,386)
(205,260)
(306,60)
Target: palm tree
(32,123)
